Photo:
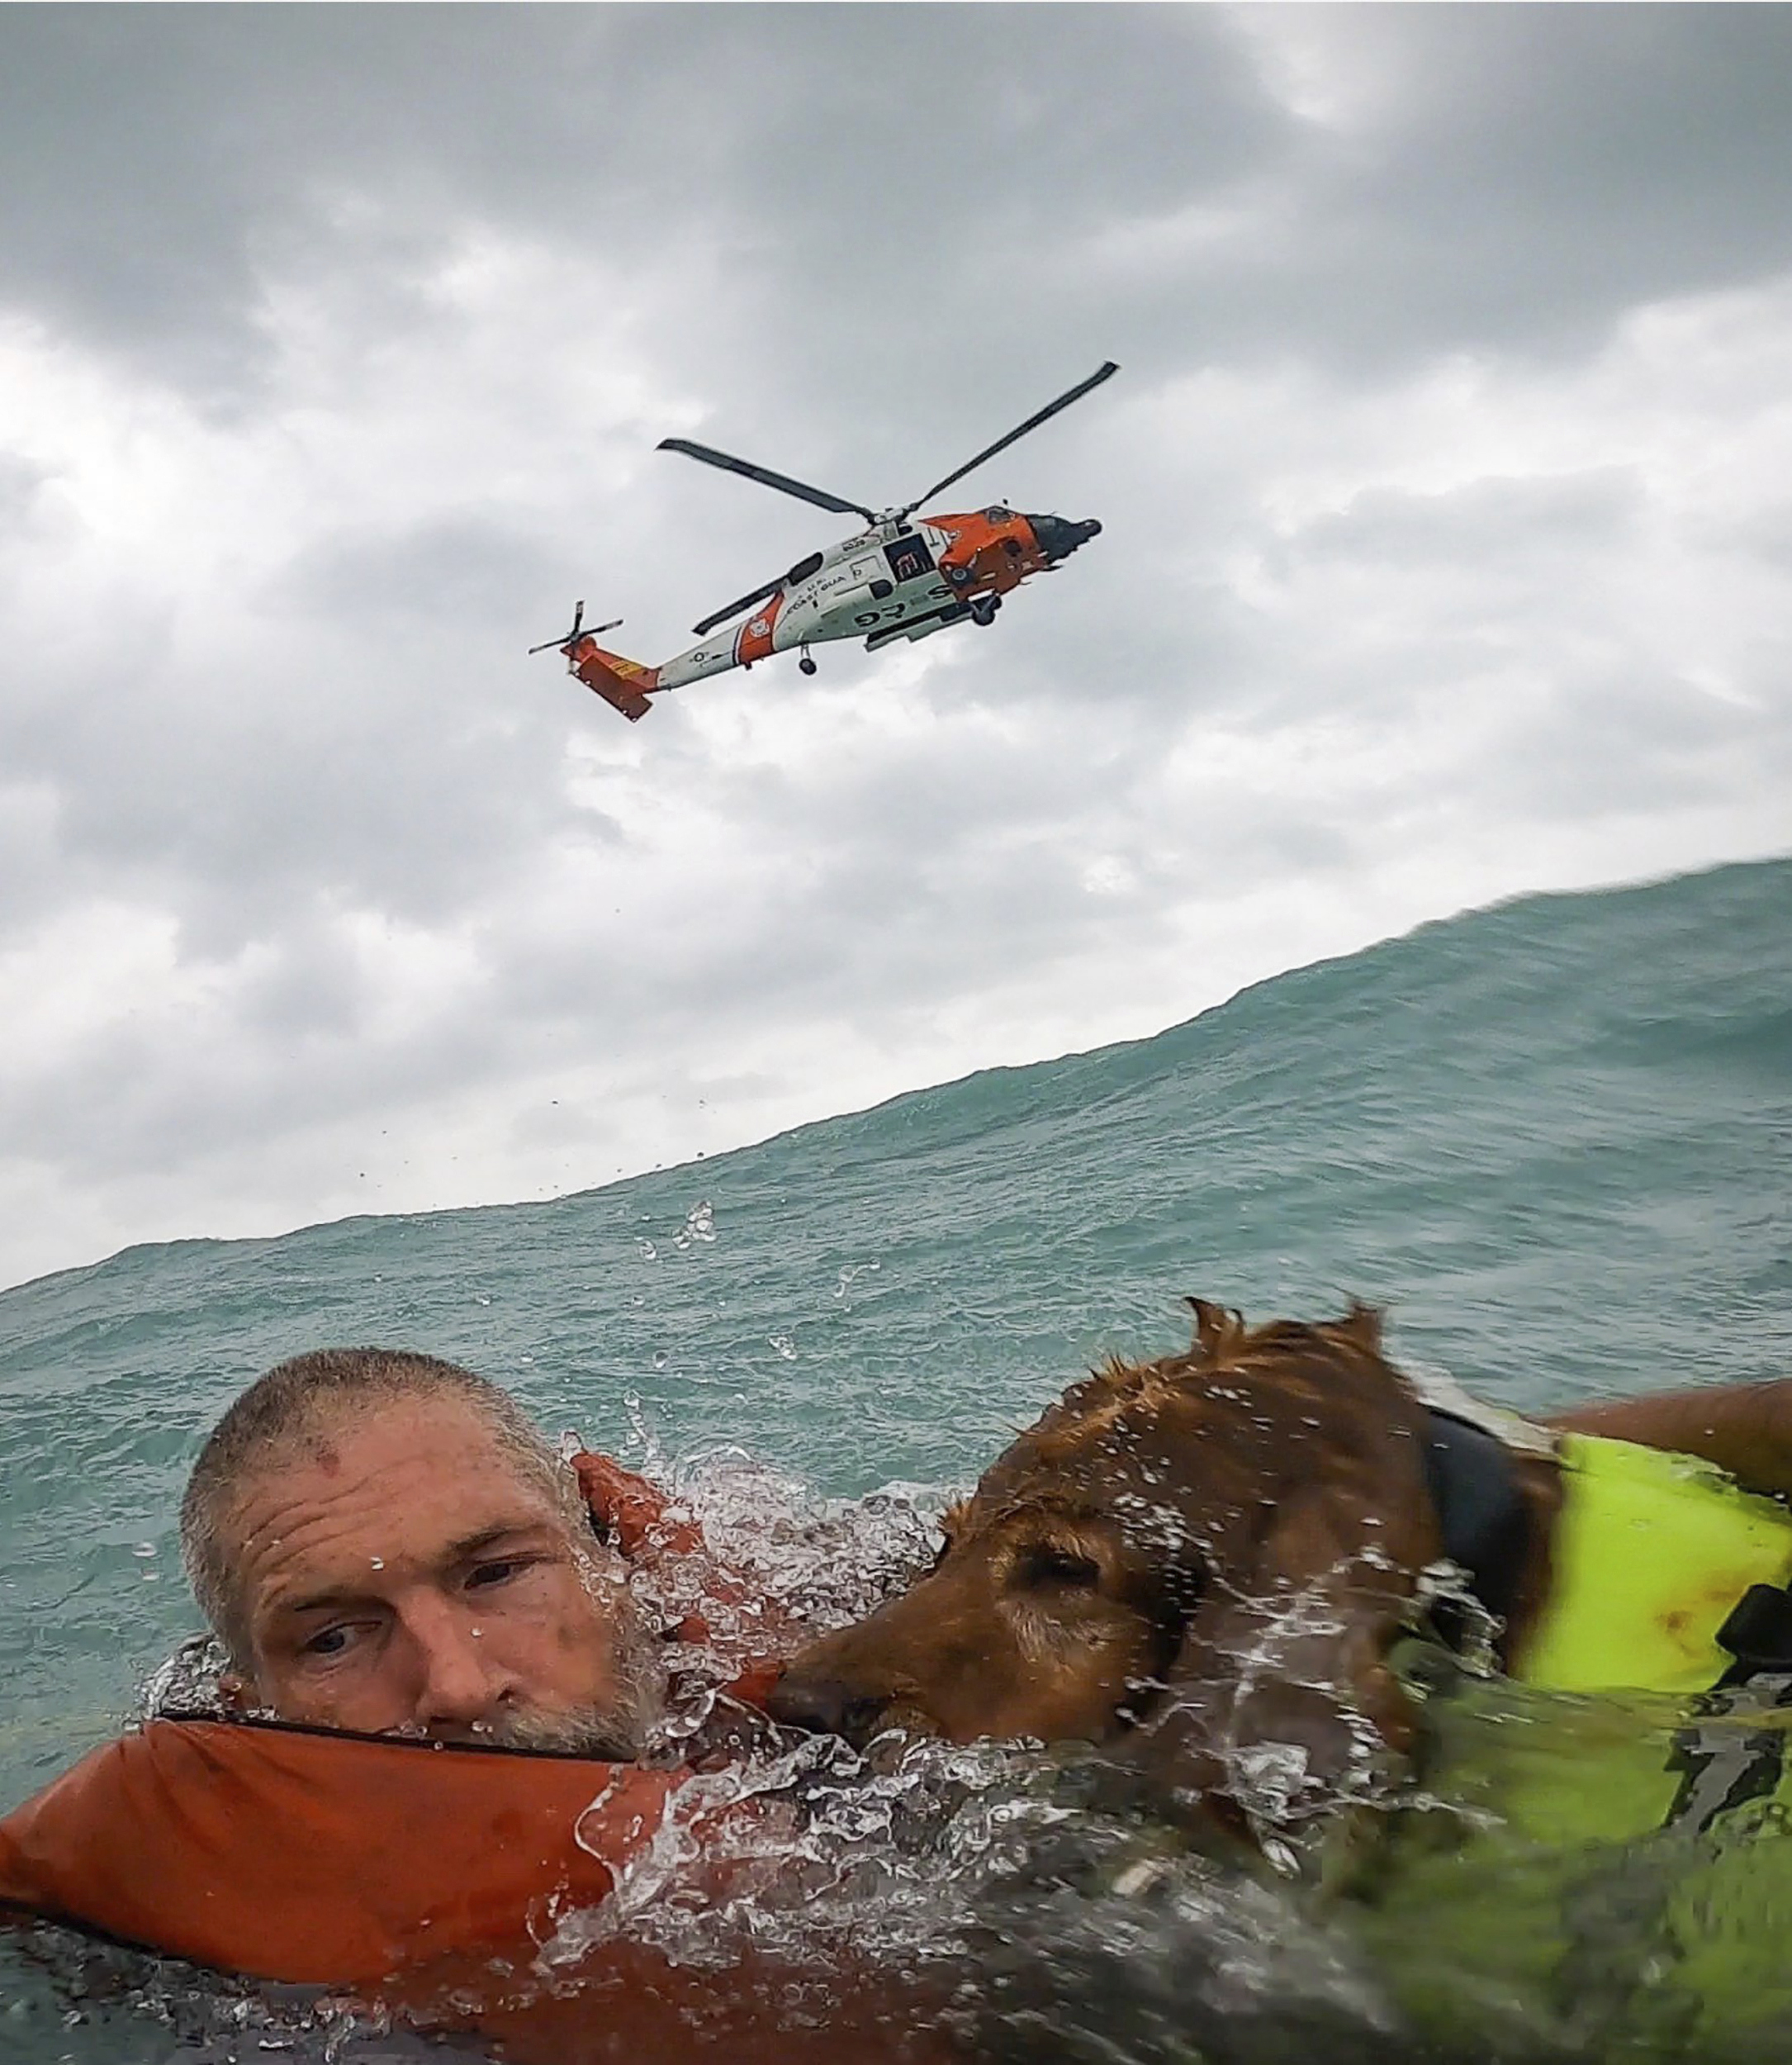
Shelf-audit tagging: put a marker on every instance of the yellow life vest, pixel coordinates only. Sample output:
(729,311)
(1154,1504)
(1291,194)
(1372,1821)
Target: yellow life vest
(1651,1552)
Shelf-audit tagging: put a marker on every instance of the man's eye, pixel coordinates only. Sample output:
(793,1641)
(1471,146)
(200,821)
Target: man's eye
(501,1571)
(328,1641)
(1044,1563)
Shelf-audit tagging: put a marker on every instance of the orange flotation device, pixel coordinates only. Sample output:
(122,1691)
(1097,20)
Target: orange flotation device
(305,1855)
(298,1854)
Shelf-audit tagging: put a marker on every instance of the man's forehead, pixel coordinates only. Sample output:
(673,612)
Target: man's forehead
(407,1447)
(341,1426)
(331,1420)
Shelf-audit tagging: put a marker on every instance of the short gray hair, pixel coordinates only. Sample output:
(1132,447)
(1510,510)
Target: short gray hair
(296,1399)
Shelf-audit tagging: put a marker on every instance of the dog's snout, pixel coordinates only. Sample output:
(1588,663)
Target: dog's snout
(825,1706)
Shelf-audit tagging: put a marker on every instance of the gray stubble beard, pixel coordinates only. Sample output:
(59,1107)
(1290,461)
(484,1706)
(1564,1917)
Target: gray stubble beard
(617,1731)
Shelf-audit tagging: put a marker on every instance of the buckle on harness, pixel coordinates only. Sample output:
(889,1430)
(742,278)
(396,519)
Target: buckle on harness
(1758,1633)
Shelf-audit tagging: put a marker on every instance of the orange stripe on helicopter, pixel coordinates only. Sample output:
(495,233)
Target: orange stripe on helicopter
(754,640)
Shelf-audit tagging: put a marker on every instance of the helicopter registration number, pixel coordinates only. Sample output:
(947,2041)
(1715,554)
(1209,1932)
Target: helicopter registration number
(900,606)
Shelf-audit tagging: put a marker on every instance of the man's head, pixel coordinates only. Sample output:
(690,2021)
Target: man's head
(385,1543)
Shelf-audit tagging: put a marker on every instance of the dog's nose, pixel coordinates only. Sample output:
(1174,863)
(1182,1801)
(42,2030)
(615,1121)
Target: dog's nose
(826,1706)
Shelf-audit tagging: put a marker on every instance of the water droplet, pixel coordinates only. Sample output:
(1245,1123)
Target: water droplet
(375,1563)
(851,1271)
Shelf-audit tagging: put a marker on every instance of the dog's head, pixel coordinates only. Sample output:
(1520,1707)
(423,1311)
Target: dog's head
(1219,1546)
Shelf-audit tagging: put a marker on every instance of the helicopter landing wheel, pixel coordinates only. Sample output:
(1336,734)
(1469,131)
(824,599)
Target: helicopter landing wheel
(806,665)
(983,610)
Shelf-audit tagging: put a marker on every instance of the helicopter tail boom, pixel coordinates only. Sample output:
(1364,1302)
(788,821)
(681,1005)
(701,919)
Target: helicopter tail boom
(625,685)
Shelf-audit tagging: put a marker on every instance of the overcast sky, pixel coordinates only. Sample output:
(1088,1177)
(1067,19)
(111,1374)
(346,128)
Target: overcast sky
(1447,488)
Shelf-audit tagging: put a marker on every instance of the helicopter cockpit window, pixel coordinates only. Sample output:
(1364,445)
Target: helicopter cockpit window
(908,558)
(996,514)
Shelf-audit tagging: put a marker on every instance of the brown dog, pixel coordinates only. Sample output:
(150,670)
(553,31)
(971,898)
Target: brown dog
(1215,1553)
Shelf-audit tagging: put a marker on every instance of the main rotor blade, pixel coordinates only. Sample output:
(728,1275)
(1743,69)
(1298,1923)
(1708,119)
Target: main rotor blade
(766,478)
(734,609)
(1106,371)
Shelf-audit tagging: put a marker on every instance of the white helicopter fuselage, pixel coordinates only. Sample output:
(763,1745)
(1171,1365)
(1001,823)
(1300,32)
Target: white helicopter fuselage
(875,586)
(899,579)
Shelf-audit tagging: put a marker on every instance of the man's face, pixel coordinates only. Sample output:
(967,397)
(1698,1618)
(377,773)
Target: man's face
(398,1571)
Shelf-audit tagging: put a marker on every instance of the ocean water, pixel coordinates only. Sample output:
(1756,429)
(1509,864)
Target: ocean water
(1553,1138)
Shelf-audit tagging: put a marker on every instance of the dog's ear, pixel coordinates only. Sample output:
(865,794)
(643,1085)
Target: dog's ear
(1217,1327)
(1361,1325)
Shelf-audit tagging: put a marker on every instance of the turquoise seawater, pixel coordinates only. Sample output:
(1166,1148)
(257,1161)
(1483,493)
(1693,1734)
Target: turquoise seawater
(1553,1138)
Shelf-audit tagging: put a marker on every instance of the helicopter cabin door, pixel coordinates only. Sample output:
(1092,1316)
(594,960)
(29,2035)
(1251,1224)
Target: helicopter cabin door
(908,558)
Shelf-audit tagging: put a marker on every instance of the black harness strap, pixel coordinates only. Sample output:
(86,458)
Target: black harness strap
(1481,1513)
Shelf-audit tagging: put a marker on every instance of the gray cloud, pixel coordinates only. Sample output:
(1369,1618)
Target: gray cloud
(1518,179)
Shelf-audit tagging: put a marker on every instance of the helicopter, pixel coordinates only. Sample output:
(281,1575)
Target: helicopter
(902,577)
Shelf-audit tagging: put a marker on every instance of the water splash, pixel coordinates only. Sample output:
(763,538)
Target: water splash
(809,1846)
(849,1274)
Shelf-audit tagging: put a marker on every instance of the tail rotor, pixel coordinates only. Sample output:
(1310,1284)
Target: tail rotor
(571,638)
